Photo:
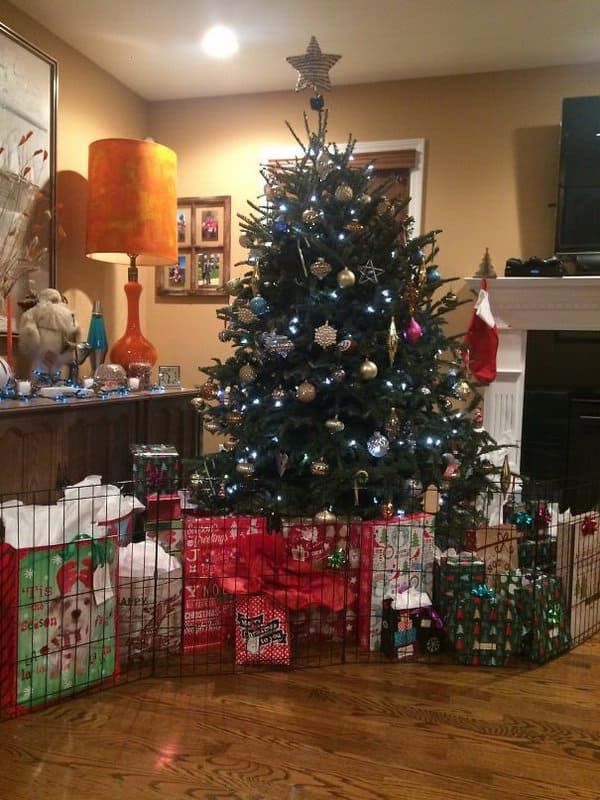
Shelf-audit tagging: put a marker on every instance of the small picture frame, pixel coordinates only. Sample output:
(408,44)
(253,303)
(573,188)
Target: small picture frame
(169,375)
(184,226)
(204,249)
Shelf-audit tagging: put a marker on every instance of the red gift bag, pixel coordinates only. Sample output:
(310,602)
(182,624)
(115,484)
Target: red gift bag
(261,631)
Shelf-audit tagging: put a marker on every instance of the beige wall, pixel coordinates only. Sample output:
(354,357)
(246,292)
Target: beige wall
(91,105)
(491,167)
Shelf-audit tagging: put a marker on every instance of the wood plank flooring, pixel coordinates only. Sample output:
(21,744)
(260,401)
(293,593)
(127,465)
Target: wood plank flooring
(357,732)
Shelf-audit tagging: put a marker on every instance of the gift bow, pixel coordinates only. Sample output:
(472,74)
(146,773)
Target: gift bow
(483,590)
(553,614)
(99,550)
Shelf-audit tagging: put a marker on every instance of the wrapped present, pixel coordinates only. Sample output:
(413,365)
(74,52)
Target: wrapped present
(579,557)
(207,615)
(57,626)
(261,631)
(483,628)
(169,534)
(538,555)
(454,576)
(395,554)
(497,547)
(317,543)
(545,623)
(163,506)
(156,468)
(150,600)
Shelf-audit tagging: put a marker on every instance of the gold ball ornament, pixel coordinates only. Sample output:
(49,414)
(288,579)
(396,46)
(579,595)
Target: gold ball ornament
(363,199)
(306,392)
(194,480)
(198,404)
(368,370)
(386,509)
(209,389)
(310,216)
(245,468)
(463,389)
(325,517)
(344,193)
(247,374)
(319,468)
(345,278)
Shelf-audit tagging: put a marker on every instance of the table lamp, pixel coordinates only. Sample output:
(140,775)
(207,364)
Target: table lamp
(131,219)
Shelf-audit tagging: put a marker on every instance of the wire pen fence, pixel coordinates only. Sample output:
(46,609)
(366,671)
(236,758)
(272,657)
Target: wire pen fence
(115,583)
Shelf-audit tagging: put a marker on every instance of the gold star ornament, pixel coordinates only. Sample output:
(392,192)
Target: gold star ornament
(313,67)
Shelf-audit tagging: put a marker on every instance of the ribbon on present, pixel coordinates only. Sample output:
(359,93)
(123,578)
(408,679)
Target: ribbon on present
(483,590)
(523,520)
(261,565)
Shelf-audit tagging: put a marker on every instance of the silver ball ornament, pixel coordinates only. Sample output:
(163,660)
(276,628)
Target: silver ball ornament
(378,445)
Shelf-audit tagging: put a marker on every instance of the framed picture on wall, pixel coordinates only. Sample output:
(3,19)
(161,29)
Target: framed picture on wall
(204,247)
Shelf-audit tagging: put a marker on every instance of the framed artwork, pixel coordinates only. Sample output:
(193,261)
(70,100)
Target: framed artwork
(169,375)
(204,245)
(28,92)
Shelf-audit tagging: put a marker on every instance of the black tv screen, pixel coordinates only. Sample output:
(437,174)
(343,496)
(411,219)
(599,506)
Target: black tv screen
(578,212)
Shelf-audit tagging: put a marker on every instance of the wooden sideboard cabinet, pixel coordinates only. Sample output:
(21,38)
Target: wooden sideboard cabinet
(45,445)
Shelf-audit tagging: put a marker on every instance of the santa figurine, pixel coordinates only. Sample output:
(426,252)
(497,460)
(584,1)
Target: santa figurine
(48,334)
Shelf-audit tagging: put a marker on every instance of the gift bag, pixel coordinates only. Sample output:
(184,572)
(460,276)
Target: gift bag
(150,602)
(261,631)
(58,627)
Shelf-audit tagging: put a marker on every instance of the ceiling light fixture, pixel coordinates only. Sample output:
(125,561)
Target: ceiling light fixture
(220,42)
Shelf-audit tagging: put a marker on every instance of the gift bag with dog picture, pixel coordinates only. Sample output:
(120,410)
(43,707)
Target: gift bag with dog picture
(57,620)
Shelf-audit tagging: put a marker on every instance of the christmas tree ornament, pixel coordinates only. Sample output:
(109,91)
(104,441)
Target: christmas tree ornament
(505,475)
(323,165)
(344,193)
(369,273)
(487,467)
(368,370)
(319,468)
(363,199)
(447,404)
(244,468)
(425,391)
(246,316)
(334,425)
(416,257)
(413,488)
(338,559)
(229,444)
(247,374)
(280,226)
(277,343)
(378,445)
(392,341)
(258,305)
(320,268)
(338,375)
(306,392)
(477,419)
(194,480)
(384,207)
(225,335)
(361,478)
(234,417)
(309,216)
(211,426)
(463,389)
(234,286)
(392,424)
(209,389)
(317,102)
(281,462)
(278,393)
(313,67)
(199,405)
(386,509)
(325,517)
(325,335)
(450,300)
(346,345)
(345,278)
(354,226)
(413,331)
(433,276)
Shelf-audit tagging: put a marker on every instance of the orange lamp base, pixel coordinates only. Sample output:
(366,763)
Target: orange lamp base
(133,346)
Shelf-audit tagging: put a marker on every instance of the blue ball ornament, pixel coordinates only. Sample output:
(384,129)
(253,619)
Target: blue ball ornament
(258,305)
(433,276)
(280,226)
(416,257)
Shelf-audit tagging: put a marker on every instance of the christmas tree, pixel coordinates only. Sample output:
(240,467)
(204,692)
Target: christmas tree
(343,394)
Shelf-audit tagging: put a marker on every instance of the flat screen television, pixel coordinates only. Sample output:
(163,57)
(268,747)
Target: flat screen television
(578,207)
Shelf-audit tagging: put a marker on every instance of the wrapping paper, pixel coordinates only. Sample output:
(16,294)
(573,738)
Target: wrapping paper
(484,630)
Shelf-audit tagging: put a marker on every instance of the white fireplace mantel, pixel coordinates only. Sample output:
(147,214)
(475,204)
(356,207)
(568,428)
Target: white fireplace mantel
(529,304)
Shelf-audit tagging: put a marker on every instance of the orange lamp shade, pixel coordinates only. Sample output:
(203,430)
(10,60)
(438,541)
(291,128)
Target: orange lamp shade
(132,202)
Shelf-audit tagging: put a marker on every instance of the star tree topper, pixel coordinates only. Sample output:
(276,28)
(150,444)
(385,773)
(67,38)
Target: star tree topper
(313,67)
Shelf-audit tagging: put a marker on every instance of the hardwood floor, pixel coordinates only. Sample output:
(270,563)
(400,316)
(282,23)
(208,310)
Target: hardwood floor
(355,732)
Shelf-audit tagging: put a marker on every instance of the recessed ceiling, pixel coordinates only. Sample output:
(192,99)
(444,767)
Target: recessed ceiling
(153,46)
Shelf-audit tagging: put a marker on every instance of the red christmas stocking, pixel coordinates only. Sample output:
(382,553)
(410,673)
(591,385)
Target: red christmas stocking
(482,339)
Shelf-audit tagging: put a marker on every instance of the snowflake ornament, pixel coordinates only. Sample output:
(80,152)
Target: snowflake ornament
(326,335)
